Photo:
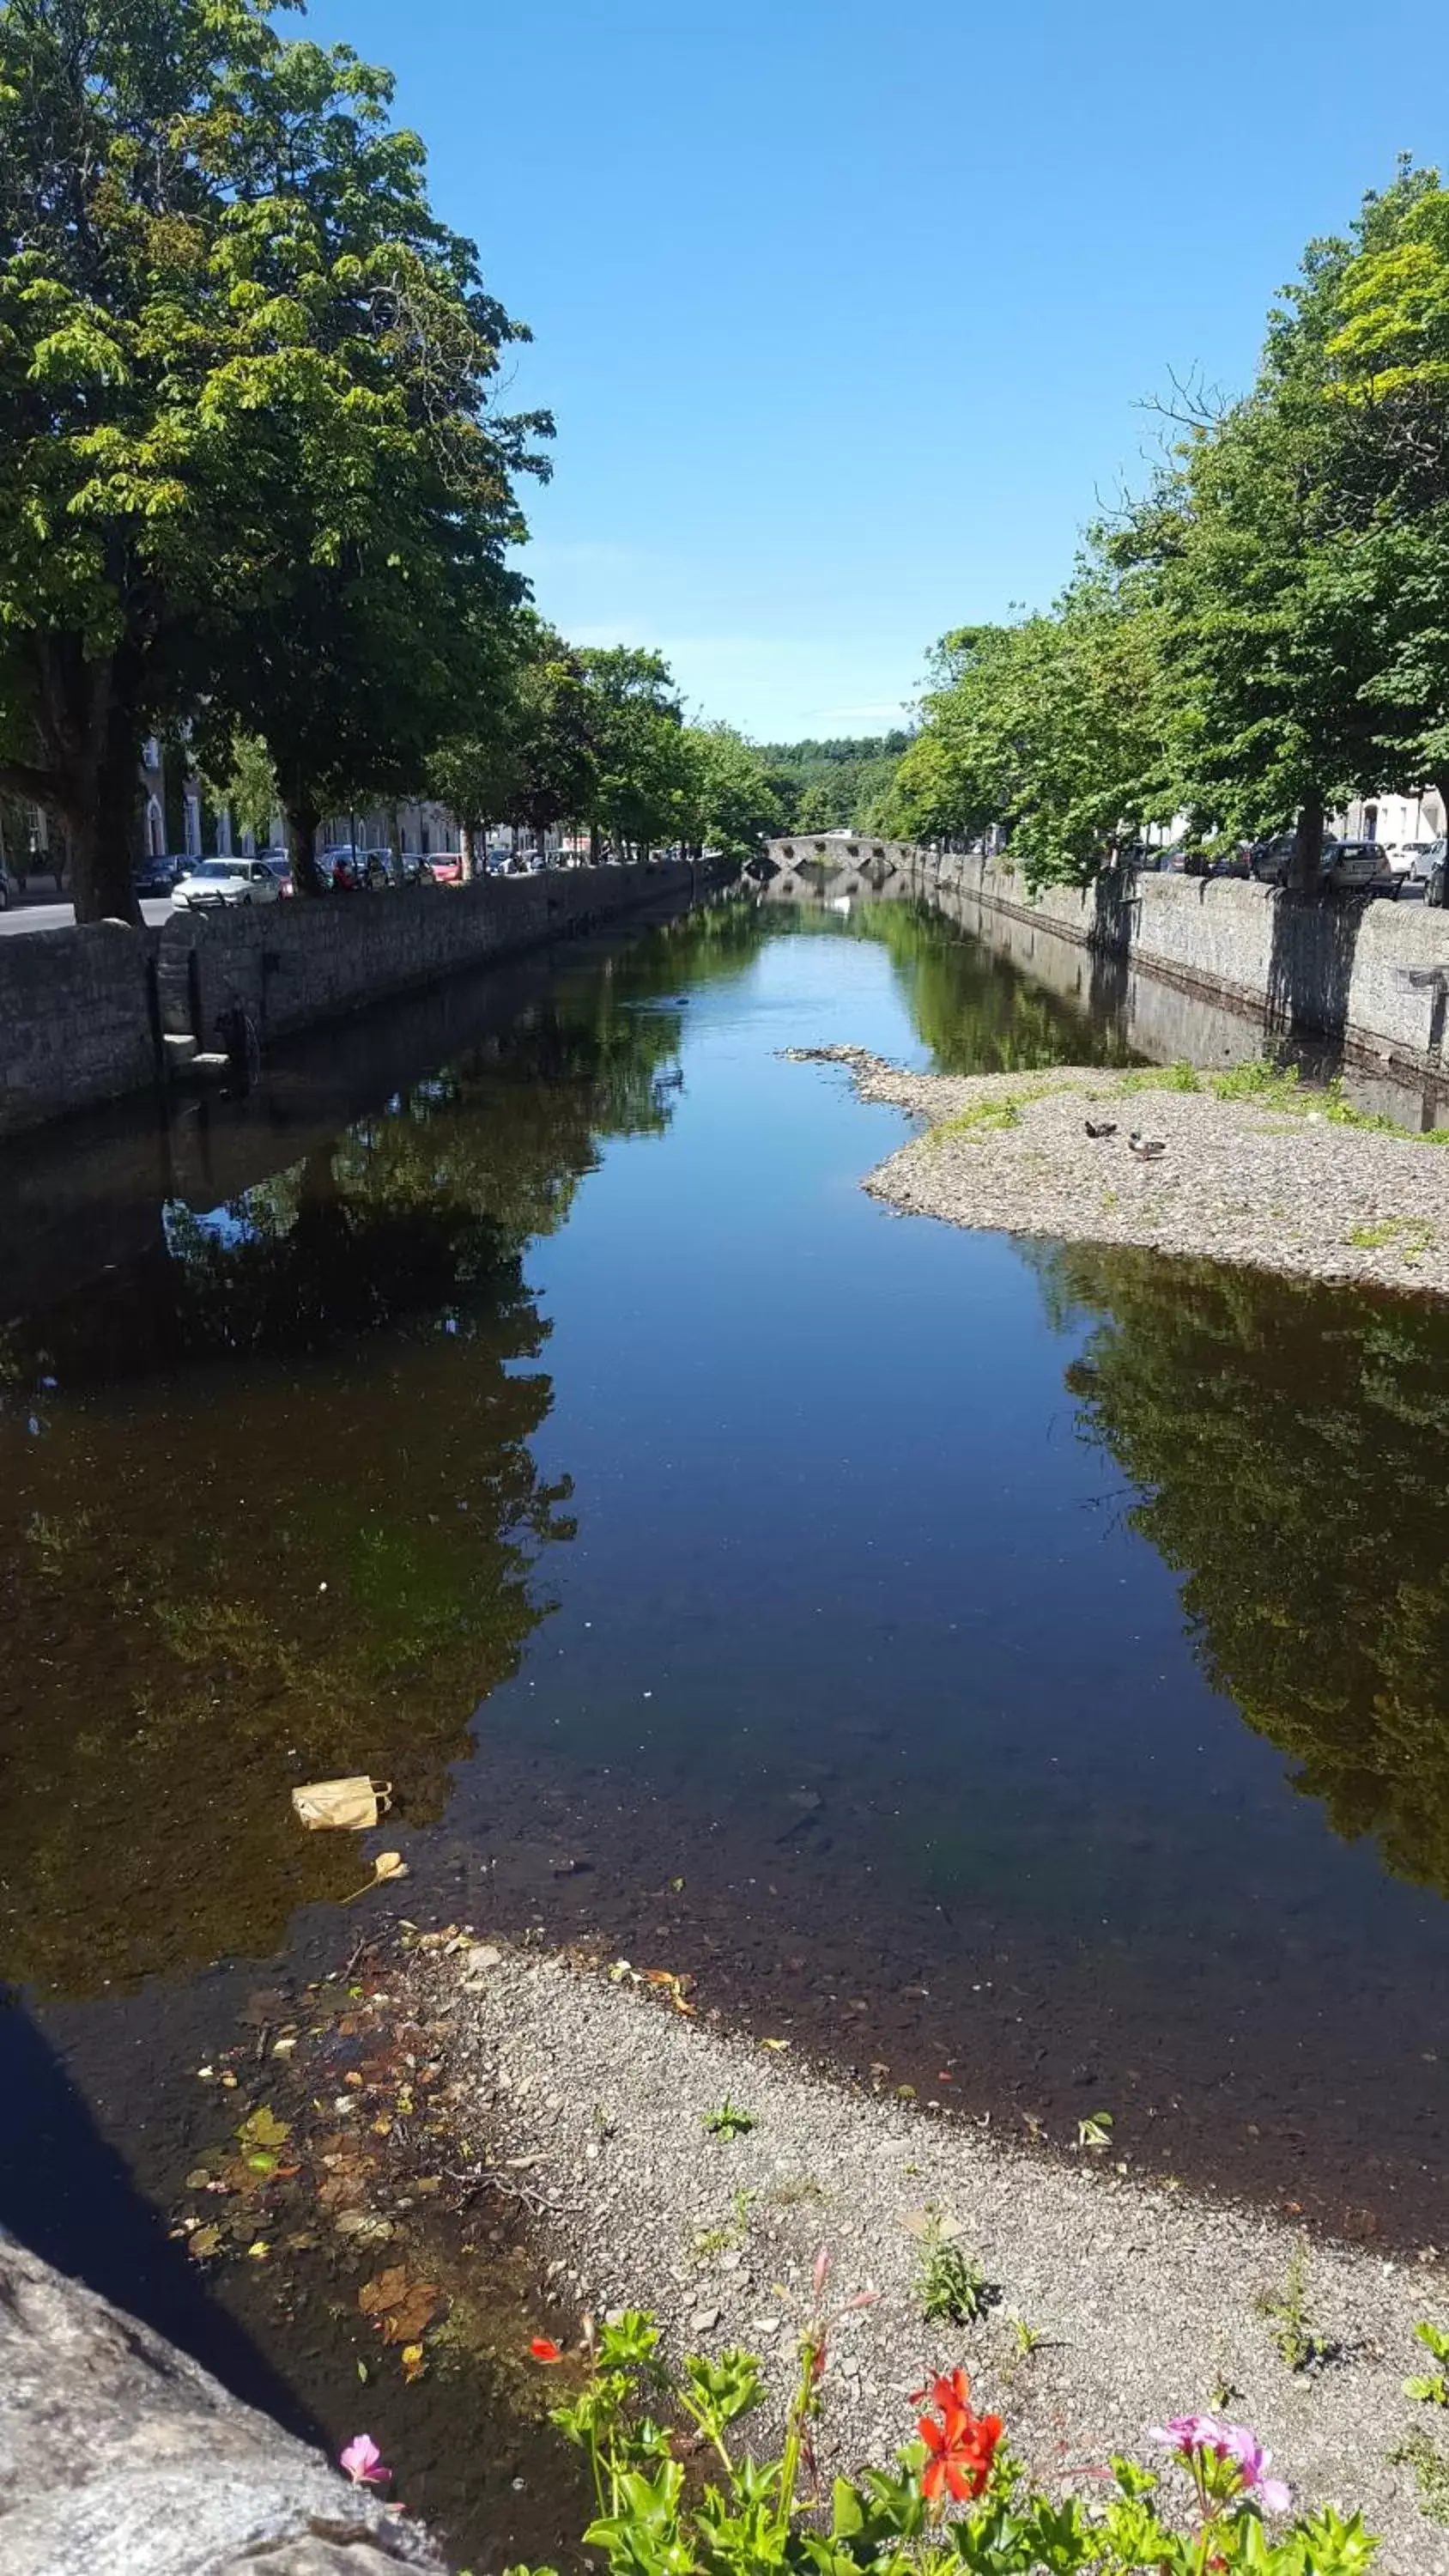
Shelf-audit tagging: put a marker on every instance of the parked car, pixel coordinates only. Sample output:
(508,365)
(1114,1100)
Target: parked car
(280,866)
(216,884)
(356,871)
(1436,873)
(1343,864)
(1419,858)
(409,867)
(8,888)
(158,876)
(445,867)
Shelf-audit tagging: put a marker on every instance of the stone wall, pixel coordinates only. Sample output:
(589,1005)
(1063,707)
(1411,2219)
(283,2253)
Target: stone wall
(82,1010)
(293,964)
(77,1019)
(1370,976)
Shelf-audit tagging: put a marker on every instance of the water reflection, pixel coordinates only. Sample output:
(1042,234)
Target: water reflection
(747,1510)
(237,1551)
(972,1008)
(1288,1444)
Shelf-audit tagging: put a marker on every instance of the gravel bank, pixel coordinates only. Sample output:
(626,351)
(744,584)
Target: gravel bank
(1145,2299)
(1239,1180)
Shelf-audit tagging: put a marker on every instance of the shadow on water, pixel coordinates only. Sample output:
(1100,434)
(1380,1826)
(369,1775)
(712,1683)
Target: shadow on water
(67,2194)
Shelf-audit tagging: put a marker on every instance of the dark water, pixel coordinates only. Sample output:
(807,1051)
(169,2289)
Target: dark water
(1031,1661)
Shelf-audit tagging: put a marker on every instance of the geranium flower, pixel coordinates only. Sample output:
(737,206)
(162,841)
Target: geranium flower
(363,2462)
(962,2445)
(1189,2433)
(543,2350)
(1252,2460)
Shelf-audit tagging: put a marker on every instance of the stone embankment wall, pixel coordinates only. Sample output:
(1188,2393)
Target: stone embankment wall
(1371,975)
(83,1012)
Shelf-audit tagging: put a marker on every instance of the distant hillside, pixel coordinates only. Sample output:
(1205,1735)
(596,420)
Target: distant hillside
(825,784)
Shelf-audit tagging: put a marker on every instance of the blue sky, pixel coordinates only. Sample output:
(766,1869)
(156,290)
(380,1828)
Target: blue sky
(846,311)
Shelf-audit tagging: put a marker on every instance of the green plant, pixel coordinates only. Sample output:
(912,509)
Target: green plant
(1286,2311)
(1431,2474)
(1027,2336)
(951,2286)
(726,2240)
(1095,2131)
(1434,2389)
(981,1118)
(729,2121)
(1273,1086)
(1411,1235)
(1161,1077)
(748,2513)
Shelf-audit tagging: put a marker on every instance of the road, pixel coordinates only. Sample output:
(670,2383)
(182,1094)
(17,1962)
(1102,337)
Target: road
(59,916)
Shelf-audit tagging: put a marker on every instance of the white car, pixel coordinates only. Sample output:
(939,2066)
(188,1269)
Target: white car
(213,883)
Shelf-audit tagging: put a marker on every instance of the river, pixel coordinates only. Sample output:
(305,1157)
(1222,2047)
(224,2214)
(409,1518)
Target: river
(1007,1671)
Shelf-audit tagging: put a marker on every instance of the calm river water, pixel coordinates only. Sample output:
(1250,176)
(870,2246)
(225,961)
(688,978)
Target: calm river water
(1010,1671)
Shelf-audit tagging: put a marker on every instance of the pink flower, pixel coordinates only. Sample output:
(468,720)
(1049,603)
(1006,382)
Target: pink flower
(1252,2460)
(363,2462)
(1189,2433)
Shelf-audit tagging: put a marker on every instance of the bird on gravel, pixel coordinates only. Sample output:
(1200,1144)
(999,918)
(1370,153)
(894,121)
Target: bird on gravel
(1146,1148)
(1100,1128)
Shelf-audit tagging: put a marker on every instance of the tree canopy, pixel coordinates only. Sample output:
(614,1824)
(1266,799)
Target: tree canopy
(251,469)
(1262,635)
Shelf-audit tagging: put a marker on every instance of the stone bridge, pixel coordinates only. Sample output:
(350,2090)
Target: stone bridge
(832,867)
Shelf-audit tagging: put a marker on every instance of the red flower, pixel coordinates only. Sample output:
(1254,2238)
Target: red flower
(543,2350)
(962,2446)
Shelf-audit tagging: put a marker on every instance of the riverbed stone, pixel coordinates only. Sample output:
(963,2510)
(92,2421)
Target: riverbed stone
(119,2456)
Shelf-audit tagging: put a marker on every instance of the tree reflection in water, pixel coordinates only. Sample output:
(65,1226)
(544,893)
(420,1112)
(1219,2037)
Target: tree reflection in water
(1289,1442)
(220,1579)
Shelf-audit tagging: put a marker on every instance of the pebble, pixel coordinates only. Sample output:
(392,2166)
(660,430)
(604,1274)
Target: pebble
(703,2319)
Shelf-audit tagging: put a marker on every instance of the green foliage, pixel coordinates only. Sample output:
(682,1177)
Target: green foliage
(250,473)
(1049,729)
(1285,2310)
(1431,2473)
(1260,636)
(834,785)
(979,1118)
(729,2121)
(950,2285)
(1433,2388)
(746,2514)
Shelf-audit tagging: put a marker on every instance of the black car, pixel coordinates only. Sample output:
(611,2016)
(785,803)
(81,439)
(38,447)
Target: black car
(157,876)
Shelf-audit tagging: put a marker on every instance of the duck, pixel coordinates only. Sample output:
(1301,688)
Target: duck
(1099,1128)
(1146,1148)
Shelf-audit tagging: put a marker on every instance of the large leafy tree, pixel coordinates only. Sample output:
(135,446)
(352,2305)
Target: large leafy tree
(243,379)
(642,790)
(732,799)
(1051,728)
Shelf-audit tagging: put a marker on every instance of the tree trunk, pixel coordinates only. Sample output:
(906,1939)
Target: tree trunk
(100,841)
(302,822)
(593,845)
(465,847)
(1305,870)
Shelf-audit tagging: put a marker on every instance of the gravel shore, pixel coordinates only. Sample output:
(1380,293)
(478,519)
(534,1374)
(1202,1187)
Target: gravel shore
(596,2094)
(1239,1179)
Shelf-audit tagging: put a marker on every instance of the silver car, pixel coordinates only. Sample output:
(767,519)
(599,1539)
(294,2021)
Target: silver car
(217,884)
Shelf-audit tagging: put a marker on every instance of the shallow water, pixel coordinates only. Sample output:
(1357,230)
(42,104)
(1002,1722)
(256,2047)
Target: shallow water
(1014,1672)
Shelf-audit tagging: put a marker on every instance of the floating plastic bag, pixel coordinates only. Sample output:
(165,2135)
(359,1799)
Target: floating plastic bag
(353,1805)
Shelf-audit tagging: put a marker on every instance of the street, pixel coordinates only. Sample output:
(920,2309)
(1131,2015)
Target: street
(60,916)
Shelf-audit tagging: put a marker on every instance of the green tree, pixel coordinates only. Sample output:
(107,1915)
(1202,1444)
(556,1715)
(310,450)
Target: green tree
(1051,729)
(636,722)
(732,801)
(243,377)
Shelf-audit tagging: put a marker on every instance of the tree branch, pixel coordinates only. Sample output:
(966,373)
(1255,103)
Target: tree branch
(37,786)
